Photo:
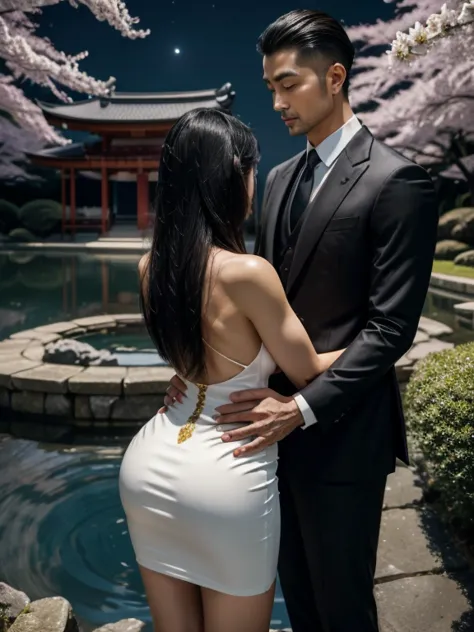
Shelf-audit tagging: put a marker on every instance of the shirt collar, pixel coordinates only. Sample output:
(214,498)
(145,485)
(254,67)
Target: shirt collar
(333,145)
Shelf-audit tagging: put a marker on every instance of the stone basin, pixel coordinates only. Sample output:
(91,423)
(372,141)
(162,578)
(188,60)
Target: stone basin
(115,397)
(108,397)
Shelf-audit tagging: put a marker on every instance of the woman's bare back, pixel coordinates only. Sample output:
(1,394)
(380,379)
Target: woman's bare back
(225,328)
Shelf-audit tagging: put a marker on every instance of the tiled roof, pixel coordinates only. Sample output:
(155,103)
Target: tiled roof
(138,107)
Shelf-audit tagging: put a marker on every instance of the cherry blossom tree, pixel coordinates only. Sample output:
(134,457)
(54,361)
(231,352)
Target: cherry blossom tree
(29,57)
(419,97)
(14,143)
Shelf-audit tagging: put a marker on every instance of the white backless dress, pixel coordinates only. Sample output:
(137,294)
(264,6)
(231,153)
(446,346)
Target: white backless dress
(194,511)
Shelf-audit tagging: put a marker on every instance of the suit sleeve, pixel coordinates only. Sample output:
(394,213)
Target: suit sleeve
(259,248)
(403,227)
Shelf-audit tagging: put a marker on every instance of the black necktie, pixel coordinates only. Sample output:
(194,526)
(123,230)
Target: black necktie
(304,188)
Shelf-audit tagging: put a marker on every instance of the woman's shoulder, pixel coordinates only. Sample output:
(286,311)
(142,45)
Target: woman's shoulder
(143,264)
(242,272)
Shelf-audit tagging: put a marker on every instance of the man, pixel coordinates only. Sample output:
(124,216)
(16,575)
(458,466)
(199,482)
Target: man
(351,227)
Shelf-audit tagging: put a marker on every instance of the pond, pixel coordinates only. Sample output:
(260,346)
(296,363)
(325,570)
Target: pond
(62,529)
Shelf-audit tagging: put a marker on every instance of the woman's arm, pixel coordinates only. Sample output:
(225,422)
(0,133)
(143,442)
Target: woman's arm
(254,286)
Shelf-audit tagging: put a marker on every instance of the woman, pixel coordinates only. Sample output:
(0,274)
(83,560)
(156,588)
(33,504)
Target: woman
(205,524)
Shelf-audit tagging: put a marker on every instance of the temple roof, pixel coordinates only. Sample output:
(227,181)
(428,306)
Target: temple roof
(136,107)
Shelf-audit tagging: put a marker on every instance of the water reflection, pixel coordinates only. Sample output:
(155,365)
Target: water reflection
(39,289)
(63,531)
(440,304)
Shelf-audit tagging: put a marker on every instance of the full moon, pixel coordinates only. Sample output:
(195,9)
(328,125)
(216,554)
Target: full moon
(177,51)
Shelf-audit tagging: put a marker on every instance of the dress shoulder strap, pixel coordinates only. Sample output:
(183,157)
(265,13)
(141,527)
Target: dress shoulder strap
(243,366)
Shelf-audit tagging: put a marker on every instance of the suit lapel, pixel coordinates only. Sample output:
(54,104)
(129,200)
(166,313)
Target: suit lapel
(350,166)
(276,203)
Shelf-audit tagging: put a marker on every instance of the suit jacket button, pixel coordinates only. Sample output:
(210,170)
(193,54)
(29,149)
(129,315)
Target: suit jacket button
(285,269)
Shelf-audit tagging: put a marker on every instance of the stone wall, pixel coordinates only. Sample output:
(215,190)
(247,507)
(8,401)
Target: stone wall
(92,396)
(114,397)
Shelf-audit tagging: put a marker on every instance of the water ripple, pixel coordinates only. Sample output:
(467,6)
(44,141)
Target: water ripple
(63,531)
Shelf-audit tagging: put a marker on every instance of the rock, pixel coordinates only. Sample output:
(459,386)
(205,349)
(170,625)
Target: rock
(35,334)
(57,328)
(27,402)
(46,378)
(450,220)
(139,407)
(464,229)
(414,541)
(4,398)
(70,351)
(59,405)
(420,336)
(449,249)
(101,406)
(433,603)
(404,369)
(129,318)
(433,328)
(465,308)
(96,322)
(465,259)
(82,407)
(403,489)
(126,625)
(147,380)
(11,368)
(14,601)
(53,614)
(98,381)
(34,352)
(9,346)
(420,351)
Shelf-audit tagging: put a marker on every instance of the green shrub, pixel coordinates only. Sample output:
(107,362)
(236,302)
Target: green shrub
(41,217)
(439,404)
(449,249)
(448,222)
(41,273)
(465,259)
(9,217)
(21,235)
(8,272)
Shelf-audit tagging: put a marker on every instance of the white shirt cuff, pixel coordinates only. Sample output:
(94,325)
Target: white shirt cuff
(308,415)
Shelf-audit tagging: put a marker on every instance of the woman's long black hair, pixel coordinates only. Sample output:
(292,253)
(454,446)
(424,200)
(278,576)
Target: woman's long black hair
(202,202)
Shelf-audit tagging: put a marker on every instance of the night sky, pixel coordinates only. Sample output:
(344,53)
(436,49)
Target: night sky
(217,43)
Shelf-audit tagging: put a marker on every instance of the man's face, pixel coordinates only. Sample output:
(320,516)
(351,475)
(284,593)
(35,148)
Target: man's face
(300,92)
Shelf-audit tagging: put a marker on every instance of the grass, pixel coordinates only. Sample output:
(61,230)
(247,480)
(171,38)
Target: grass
(448,267)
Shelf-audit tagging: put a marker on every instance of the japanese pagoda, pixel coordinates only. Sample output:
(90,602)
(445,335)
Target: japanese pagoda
(129,130)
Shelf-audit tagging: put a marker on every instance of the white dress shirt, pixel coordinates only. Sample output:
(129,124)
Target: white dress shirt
(329,151)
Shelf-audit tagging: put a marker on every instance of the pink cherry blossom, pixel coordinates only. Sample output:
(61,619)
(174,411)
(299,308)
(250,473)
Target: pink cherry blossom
(423,106)
(14,143)
(29,57)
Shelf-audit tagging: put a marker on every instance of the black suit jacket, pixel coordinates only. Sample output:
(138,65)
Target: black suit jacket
(358,279)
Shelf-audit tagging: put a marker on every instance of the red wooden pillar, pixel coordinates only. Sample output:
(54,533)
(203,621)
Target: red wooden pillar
(65,272)
(105,286)
(73,286)
(72,202)
(142,201)
(63,201)
(105,200)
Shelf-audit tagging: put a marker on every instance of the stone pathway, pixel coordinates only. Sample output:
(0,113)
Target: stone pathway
(423,582)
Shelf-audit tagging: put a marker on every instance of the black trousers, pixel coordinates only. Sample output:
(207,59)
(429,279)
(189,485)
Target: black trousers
(328,552)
